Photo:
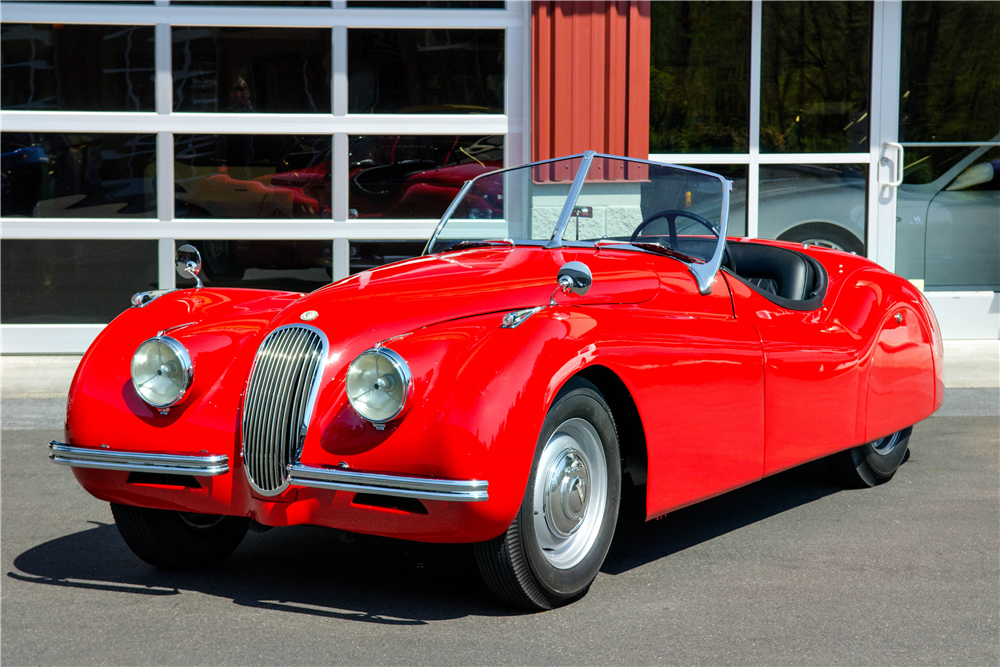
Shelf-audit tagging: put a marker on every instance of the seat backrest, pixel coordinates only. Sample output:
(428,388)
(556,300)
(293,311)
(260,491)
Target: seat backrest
(793,275)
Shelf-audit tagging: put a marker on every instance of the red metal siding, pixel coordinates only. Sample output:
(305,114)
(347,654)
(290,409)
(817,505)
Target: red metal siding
(590,77)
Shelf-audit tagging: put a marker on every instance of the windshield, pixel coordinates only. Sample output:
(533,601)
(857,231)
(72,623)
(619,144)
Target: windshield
(590,198)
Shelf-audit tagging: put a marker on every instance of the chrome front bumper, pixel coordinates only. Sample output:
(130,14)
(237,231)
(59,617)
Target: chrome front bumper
(462,490)
(208,465)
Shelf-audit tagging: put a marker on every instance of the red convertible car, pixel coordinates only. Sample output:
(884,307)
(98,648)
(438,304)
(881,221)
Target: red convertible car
(573,330)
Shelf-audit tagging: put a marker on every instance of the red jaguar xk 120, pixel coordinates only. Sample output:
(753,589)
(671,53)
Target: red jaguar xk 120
(574,328)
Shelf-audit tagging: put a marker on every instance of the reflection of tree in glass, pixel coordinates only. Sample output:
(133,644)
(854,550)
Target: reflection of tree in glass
(699,81)
(815,76)
(950,79)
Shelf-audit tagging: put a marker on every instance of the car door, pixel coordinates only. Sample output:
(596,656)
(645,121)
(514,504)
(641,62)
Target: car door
(697,373)
(810,379)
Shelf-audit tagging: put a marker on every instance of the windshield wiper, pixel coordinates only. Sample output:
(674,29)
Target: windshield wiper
(669,252)
(476,243)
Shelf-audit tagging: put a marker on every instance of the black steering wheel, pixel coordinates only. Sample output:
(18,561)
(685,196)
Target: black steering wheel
(671,215)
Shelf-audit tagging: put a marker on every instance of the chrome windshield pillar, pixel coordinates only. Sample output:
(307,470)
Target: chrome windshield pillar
(574,192)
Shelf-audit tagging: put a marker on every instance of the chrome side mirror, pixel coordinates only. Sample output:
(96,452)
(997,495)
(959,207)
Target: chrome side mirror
(574,277)
(188,263)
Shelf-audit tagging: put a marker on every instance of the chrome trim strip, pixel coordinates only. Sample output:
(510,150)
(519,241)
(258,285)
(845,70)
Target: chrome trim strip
(208,465)
(461,490)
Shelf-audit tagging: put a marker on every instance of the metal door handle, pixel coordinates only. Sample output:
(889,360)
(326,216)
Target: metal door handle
(895,183)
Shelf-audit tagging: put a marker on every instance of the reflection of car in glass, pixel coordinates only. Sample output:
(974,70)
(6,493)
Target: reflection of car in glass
(390,179)
(77,175)
(507,393)
(947,231)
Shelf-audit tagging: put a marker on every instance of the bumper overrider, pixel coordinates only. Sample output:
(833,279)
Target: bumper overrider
(334,479)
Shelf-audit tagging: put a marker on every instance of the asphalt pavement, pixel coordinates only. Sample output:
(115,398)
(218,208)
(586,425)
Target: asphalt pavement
(790,570)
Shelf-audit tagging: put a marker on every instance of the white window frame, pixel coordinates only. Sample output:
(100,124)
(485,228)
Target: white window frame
(514,19)
(753,158)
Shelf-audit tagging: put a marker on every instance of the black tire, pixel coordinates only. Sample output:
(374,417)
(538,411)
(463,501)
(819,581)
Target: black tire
(178,540)
(872,463)
(514,566)
(825,235)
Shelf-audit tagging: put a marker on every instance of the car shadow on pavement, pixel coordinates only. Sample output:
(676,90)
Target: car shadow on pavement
(637,542)
(328,573)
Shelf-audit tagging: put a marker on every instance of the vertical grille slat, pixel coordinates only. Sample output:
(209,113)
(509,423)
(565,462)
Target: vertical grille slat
(277,402)
(262,415)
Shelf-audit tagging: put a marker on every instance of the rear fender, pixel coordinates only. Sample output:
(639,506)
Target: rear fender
(903,361)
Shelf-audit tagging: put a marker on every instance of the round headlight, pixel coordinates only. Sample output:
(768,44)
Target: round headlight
(161,371)
(378,382)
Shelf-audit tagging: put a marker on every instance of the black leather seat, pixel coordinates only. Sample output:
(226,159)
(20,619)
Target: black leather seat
(789,278)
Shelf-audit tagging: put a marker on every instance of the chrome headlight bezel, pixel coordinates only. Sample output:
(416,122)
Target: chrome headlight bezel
(183,358)
(401,369)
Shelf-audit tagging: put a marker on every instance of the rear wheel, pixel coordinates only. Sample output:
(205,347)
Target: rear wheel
(872,463)
(178,540)
(555,546)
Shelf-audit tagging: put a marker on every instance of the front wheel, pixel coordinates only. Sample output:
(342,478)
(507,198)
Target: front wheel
(555,546)
(178,540)
(872,463)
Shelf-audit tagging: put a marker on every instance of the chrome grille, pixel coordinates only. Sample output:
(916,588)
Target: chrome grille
(279,398)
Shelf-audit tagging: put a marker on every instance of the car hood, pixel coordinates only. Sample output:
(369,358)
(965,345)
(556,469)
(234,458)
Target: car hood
(393,300)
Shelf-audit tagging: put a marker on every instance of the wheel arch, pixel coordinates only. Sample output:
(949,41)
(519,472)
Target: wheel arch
(628,422)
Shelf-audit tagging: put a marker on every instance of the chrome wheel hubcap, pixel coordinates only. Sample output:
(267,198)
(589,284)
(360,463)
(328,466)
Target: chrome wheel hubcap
(570,493)
(883,446)
(566,493)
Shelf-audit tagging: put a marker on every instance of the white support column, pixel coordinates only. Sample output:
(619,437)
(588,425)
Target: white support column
(165,176)
(753,169)
(338,79)
(165,206)
(886,42)
(164,70)
(341,259)
(165,258)
(515,89)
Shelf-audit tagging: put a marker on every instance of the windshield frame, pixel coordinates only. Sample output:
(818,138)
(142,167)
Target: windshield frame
(704,273)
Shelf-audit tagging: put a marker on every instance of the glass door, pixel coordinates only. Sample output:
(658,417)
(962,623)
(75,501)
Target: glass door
(948,205)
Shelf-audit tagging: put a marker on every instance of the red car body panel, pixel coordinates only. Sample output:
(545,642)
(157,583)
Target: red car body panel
(729,387)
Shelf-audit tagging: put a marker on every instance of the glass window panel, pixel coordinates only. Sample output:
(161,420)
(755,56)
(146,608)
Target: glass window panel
(822,204)
(429,4)
(699,77)
(426,71)
(43,68)
(256,3)
(103,2)
(252,176)
(815,77)
(370,254)
(247,70)
(737,173)
(72,282)
(293,266)
(950,71)
(398,177)
(948,218)
(77,175)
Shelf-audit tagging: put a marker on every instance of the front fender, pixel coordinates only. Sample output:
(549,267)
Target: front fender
(221,330)
(480,395)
